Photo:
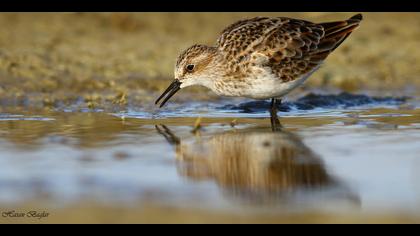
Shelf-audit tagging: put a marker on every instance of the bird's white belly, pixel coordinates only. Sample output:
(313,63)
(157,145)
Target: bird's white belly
(267,85)
(266,88)
(262,84)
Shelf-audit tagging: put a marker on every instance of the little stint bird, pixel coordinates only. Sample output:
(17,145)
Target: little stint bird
(260,58)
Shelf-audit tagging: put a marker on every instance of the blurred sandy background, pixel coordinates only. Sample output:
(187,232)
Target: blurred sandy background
(53,59)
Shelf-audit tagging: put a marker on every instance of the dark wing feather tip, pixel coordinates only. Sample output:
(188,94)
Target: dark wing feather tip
(358,17)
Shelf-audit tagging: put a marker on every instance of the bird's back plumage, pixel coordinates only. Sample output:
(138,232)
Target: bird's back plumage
(290,47)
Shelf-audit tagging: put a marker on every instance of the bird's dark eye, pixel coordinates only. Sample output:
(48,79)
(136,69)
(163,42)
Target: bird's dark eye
(190,67)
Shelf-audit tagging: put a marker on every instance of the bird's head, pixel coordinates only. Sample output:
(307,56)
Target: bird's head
(194,66)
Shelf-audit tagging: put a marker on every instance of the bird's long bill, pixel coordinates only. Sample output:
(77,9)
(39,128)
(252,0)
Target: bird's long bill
(169,92)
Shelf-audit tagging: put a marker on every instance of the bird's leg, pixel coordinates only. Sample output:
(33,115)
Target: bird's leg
(275,123)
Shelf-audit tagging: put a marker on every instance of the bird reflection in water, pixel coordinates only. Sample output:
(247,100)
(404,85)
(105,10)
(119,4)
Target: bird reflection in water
(252,164)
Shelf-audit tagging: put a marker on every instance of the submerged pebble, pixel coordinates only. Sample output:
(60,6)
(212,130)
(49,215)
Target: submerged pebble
(121,155)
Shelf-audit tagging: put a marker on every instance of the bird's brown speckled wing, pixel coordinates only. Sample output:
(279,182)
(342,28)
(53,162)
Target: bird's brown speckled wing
(290,47)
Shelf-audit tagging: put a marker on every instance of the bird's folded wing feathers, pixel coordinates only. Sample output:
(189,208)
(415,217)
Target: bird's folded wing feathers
(292,47)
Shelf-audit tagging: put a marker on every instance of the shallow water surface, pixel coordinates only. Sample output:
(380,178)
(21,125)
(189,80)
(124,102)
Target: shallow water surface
(362,159)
